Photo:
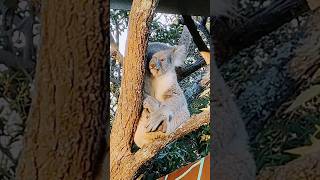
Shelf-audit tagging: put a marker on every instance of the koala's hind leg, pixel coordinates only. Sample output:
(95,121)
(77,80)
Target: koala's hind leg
(159,120)
(143,137)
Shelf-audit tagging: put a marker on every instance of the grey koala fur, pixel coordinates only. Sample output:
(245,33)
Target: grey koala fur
(164,107)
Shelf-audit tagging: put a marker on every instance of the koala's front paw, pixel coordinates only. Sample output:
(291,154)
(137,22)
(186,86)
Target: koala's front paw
(163,127)
(150,104)
(158,121)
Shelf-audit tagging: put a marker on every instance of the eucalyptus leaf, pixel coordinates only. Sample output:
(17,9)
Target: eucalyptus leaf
(304,97)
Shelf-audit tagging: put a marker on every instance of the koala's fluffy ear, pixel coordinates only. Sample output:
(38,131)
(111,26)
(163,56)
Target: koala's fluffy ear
(179,55)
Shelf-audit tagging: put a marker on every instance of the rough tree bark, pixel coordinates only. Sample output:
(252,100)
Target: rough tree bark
(64,136)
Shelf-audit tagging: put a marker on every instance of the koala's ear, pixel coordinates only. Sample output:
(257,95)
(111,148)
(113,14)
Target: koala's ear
(179,54)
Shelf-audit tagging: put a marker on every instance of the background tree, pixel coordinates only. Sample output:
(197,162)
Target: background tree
(65,129)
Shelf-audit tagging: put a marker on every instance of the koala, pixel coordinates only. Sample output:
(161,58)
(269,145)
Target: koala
(165,107)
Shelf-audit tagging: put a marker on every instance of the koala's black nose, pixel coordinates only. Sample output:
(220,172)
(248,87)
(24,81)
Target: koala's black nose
(155,65)
(152,65)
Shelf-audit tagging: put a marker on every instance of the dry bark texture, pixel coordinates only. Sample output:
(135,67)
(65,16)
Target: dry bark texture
(64,131)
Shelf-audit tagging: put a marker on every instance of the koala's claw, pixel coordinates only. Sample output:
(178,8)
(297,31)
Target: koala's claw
(154,123)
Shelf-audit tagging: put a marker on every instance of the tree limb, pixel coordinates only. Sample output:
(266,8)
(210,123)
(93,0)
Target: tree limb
(195,34)
(185,71)
(150,150)
(232,157)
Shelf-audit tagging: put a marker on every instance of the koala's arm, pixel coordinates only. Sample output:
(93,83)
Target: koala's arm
(150,103)
(142,137)
(172,112)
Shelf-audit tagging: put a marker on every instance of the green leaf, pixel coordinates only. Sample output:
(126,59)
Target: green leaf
(304,97)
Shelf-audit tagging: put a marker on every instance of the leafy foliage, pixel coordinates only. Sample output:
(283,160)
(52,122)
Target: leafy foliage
(271,146)
(14,107)
(166,29)
(118,20)
(14,83)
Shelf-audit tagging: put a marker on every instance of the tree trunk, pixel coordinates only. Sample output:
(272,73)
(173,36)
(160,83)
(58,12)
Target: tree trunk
(130,99)
(64,136)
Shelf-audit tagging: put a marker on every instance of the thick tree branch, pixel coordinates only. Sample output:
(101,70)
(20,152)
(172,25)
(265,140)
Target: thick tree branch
(195,34)
(64,130)
(232,158)
(185,71)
